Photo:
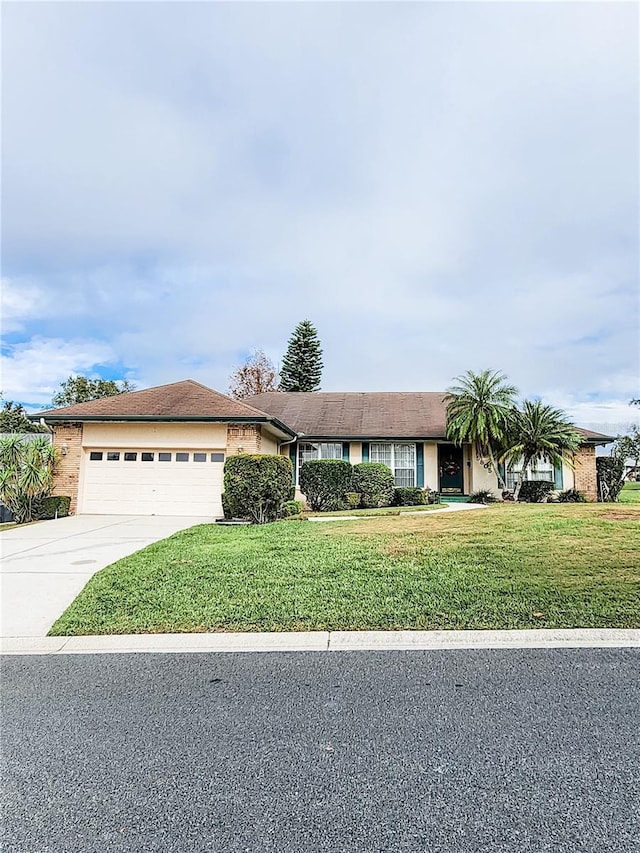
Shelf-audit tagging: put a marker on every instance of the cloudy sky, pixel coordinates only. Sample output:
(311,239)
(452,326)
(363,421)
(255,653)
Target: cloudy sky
(436,186)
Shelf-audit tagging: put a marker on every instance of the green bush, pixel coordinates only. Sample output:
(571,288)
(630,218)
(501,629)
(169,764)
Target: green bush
(610,474)
(352,500)
(482,496)
(571,496)
(52,507)
(535,491)
(228,507)
(374,481)
(256,486)
(432,497)
(324,481)
(291,508)
(409,496)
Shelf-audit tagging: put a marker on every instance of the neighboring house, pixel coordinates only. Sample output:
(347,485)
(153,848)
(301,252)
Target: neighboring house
(162,451)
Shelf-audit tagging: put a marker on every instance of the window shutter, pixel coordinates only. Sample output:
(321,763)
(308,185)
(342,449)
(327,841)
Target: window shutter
(345,451)
(502,471)
(557,476)
(365,451)
(420,465)
(293,453)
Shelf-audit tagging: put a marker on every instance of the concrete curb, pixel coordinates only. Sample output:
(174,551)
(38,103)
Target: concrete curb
(323,641)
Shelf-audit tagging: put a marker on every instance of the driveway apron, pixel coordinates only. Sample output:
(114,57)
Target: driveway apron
(45,565)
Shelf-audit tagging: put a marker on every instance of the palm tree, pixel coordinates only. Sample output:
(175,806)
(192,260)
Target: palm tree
(479,410)
(26,474)
(539,432)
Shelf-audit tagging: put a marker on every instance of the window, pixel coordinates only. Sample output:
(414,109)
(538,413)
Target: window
(537,470)
(401,458)
(113,456)
(323,450)
(217,457)
(95,456)
(147,457)
(182,457)
(199,457)
(130,457)
(164,457)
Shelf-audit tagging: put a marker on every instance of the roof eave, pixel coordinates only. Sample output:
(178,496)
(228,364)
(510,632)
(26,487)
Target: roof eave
(225,419)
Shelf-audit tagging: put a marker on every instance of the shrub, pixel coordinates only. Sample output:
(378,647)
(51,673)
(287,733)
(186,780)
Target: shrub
(571,496)
(374,481)
(432,497)
(324,482)
(610,473)
(482,496)
(291,508)
(52,507)
(409,496)
(352,500)
(26,474)
(535,491)
(228,507)
(256,486)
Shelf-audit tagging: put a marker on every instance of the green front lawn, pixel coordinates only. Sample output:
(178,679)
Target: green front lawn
(630,494)
(382,510)
(509,566)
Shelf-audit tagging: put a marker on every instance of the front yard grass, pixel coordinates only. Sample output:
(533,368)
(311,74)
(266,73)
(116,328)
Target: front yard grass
(508,566)
(381,510)
(630,494)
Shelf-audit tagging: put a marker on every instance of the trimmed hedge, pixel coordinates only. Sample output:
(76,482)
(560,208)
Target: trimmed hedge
(535,491)
(409,496)
(52,507)
(291,508)
(374,481)
(257,486)
(324,481)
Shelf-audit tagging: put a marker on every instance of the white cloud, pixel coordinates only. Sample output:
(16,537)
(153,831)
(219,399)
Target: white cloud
(436,186)
(33,371)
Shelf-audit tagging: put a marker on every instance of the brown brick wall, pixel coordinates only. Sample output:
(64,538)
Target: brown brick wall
(245,436)
(67,439)
(585,473)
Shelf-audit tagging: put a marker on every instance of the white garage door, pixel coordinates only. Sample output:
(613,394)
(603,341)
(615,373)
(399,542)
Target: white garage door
(152,482)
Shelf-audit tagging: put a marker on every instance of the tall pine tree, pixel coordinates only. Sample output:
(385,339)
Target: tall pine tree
(302,363)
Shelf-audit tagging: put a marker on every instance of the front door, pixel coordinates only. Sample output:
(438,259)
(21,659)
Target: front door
(451,467)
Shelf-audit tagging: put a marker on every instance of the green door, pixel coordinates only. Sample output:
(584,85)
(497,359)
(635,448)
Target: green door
(451,467)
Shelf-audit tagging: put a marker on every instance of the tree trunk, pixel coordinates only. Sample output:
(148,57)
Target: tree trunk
(520,481)
(494,465)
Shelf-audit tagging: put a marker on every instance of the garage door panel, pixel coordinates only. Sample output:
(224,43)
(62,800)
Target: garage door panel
(119,487)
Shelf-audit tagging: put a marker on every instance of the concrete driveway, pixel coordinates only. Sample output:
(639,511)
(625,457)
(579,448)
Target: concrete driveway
(45,565)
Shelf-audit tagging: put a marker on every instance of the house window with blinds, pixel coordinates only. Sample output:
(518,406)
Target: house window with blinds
(322,450)
(538,470)
(401,458)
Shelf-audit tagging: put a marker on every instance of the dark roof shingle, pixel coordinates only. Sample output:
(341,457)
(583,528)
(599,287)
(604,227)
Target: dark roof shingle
(186,399)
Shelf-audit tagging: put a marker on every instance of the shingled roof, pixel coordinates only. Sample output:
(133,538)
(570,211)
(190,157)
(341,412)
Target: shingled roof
(367,414)
(186,400)
(359,414)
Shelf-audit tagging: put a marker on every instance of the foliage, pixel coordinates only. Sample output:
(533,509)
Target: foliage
(432,496)
(291,508)
(535,491)
(482,496)
(539,432)
(256,376)
(571,496)
(257,486)
(610,475)
(324,481)
(374,481)
(302,362)
(52,507)
(628,447)
(81,389)
(352,499)
(479,410)
(13,418)
(409,496)
(26,474)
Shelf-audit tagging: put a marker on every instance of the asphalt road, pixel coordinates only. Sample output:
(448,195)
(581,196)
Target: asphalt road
(456,751)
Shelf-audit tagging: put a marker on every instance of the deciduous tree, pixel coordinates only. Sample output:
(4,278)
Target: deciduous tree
(256,376)
(81,389)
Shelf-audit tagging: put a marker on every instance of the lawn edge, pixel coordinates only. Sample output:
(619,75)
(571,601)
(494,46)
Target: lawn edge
(325,641)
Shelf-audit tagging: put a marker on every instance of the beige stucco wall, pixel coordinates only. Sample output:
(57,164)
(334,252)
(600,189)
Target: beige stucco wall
(431,465)
(173,435)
